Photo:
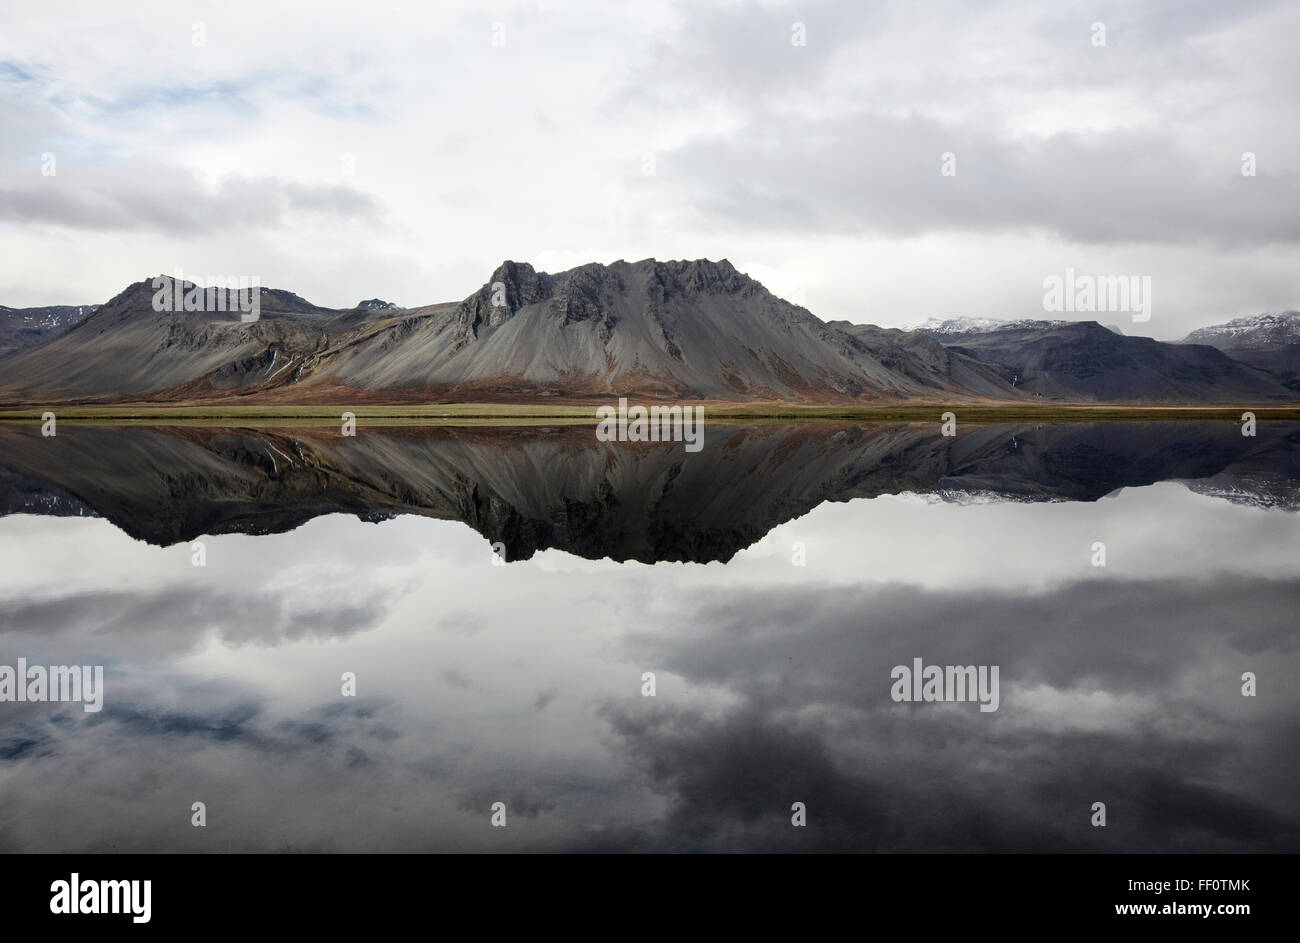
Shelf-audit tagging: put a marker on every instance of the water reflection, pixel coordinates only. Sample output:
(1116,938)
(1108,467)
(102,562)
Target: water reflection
(534,489)
(522,683)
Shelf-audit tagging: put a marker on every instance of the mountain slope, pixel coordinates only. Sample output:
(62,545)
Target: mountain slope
(904,350)
(126,348)
(532,489)
(674,329)
(1269,342)
(695,330)
(698,330)
(1083,361)
(27,327)
(1256,332)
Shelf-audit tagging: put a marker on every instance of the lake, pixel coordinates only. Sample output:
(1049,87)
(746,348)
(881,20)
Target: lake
(560,644)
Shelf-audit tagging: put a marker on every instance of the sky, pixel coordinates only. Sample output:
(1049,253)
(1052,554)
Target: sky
(347,152)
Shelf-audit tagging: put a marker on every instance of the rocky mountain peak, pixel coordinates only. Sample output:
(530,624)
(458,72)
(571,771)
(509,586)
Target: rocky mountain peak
(586,293)
(695,277)
(512,286)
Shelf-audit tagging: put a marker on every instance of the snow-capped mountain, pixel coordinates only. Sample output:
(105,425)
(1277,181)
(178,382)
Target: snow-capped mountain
(1270,342)
(1256,332)
(954,326)
(26,327)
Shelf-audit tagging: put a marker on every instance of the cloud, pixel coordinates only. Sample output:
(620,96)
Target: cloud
(771,690)
(808,718)
(798,163)
(1049,133)
(182,618)
(1035,637)
(881,175)
(168,200)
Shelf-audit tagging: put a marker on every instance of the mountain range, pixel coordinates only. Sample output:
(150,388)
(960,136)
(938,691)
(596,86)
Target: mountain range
(536,488)
(26,327)
(694,330)
(1270,342)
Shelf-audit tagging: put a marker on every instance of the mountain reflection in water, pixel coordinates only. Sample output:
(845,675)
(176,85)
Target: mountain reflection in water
(770,582)
(535,489)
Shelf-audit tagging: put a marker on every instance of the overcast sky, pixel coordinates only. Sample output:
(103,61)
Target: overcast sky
(404,151)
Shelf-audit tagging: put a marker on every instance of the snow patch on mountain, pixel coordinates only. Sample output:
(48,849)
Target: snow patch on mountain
(1254,331)
(979,325)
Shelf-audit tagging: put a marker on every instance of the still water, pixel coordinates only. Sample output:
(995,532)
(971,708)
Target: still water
(500,595)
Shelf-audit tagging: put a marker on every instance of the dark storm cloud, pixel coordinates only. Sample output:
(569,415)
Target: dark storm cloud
(323,728)
(15,745)
(138,715)
(888,781)
(813,721)
(1085,635)
(789,703)
(734,779)
(527,802)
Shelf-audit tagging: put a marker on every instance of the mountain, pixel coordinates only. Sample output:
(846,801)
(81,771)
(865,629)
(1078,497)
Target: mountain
(127,349)
(1270,342)
(1257,332)
(537,488)
(697,330)
(946,329)
(904,350)
(26,327)
(376,304)
(694,330)
(1083,361)
(950,330)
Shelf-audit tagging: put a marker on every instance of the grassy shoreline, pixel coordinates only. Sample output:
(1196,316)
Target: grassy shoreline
(535,415)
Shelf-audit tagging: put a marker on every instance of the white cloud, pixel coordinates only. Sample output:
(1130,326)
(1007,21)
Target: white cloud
(808,166)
